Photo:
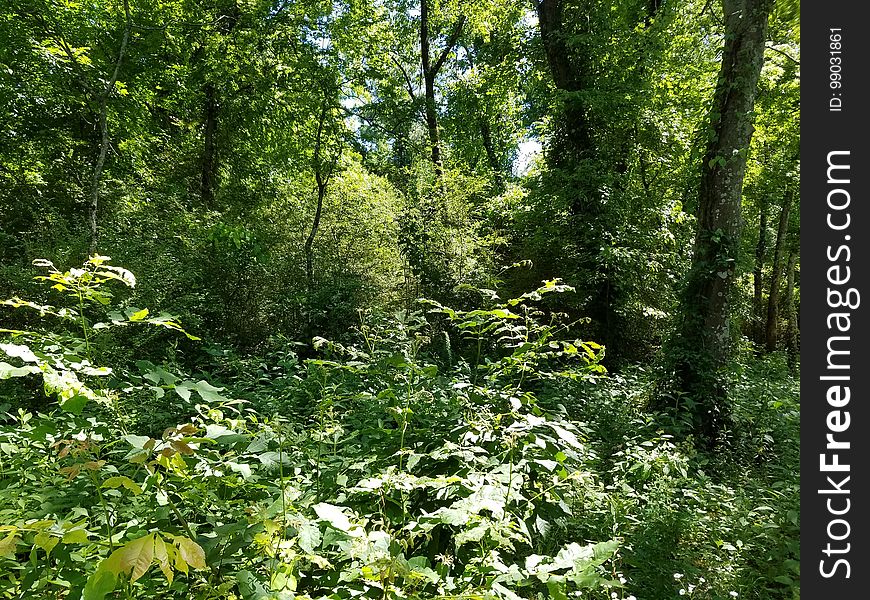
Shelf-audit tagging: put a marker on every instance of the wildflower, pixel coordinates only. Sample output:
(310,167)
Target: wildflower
(682,592)
(678,575)
(732,593)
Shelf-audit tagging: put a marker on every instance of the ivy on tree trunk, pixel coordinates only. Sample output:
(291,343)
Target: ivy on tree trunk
(701,344)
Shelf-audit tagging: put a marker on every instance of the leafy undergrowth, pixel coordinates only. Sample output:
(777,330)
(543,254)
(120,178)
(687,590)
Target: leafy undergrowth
(446,453)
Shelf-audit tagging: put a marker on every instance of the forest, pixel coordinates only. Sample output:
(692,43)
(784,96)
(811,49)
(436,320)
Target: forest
(399,299)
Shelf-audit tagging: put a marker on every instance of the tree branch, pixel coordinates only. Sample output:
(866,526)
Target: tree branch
(451,42)
(785,54)
(405,75)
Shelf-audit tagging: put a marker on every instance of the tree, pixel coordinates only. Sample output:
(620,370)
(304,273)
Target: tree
(595,154)
(430,72)
(700,347)
(770,329)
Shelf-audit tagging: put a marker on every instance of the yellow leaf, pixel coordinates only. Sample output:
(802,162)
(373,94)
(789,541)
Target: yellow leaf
(162,558)
(191,552)
(138,316)
(7,544)
(180,565)
(133,557)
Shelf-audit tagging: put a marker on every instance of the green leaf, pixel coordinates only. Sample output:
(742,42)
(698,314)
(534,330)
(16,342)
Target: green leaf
(7,370)
(184,389)
(121,480)
(309,537)
(137,441)
(241,468)
(133,558)
(208,392)
(136,556)
(46,541)
(74,405)
(19,351)
(100,583)
(76,536)
(332,515)
(556,589)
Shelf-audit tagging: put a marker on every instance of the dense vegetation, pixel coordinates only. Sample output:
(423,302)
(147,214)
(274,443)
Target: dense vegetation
(406,299)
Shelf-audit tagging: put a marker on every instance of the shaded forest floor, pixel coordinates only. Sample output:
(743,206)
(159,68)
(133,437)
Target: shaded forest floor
(443,453)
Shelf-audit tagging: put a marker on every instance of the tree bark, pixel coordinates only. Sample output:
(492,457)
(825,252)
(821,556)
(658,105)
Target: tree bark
(321,177)
(491,156)
(792,344)
(96,183)
(209,162)
(757,274)
(558,57)
(226,20)
(701,346)
(770,330)
(430,72)
(567,72)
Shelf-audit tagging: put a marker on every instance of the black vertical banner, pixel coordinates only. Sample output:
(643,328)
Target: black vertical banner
(835,299)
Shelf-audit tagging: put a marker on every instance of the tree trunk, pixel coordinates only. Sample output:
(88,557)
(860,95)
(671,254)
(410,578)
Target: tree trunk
(701,346)
(209,161)
(322,179)
(770,330)
(491,156)
(561,67)
(432,126)
(430,72)
(226,19)
(567,75)
(757,274)
(96,183)
(791,341)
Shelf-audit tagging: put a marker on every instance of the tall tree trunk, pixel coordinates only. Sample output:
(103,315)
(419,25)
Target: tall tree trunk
(430,72)
(432,126)
(562,68)
(770,330)
(567,72)
(96,183)
(226,20)
(791,341)
(321,177)
(209,160)
(701,346)
(491,156)
(757,274)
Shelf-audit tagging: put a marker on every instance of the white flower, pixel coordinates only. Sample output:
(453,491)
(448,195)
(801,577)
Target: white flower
(691,588)
(631,597)
(678,575)
(613,595)
(622,579)
(682,592)
(701,580)
(732,593)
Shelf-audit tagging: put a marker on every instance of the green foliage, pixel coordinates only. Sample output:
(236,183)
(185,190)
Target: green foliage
(331,436)
(404,479)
